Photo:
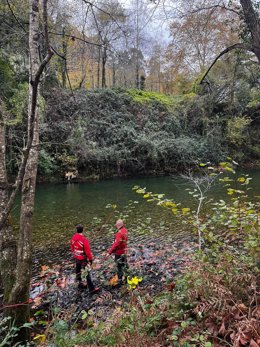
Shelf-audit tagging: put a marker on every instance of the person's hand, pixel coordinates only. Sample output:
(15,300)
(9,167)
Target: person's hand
(107,255)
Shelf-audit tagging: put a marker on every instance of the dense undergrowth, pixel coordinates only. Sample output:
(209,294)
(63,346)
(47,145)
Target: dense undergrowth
(106,133)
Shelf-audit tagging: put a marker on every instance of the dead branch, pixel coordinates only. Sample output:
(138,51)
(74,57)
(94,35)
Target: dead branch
(214,6)
(73,37)
(241,46)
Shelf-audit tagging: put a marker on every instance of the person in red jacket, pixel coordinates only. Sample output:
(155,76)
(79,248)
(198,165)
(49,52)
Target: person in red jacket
(81,252)
(119,248)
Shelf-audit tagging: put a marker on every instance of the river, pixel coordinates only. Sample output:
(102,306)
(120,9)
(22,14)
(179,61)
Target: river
(60,207)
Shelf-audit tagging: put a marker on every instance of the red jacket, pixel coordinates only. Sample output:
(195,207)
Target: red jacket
(80,247)
(120,244)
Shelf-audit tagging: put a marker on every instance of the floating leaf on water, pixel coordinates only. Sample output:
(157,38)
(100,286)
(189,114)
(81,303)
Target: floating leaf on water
(241,179)
(185,210)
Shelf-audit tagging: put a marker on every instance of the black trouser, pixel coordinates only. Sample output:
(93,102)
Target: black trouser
(122,266)
(80,265)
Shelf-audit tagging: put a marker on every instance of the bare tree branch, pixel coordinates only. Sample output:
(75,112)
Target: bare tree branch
(212,7)
(45,24)
(107,13)
(13,14)
(66,70)
(241,46)
(73,37)
(96,22)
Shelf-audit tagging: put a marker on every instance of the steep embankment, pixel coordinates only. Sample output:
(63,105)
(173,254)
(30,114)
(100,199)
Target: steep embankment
(103,133)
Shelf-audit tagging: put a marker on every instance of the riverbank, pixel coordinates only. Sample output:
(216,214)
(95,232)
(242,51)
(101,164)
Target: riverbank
(54,288)
(85,178)
(182,299)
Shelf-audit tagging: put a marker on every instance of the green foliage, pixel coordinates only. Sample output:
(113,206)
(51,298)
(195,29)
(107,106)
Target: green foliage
(238,215)
(66,161)
(119,132)
(7,78)
(111,134)
(154,98)
(9,331)
(145,97)
(236,130)
(19,104)
(46,163)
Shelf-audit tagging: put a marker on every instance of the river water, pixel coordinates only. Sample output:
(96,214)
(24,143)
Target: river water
(60,207)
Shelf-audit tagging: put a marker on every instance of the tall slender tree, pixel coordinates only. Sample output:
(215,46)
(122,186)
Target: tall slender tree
(17,300)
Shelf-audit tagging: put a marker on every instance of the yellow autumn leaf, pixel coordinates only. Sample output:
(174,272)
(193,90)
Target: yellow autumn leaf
(229,169)
(185,210)
(241,179)
(230,191)
(40,337)
(135,280)
(174,210)
(169,204)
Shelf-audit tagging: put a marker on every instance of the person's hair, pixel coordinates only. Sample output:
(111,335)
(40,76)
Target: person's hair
(119,223)
(79,228)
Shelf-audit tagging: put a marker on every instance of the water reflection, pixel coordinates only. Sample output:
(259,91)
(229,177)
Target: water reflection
(59,207)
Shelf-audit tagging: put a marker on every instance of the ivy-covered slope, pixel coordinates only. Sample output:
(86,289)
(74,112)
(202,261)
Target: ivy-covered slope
(116,132)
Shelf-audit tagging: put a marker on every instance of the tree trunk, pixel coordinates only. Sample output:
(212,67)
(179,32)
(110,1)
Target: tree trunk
(137,79)
(114,75)
(20,292)
(98,68)
(7,239)
(104,61)
(64,61)
(18,300)
(253,24)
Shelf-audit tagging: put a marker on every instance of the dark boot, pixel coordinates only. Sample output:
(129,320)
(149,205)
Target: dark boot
(82,286)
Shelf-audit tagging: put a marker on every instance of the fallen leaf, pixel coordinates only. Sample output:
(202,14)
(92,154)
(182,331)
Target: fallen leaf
(45,267)
(170,286)
(113,281)
(37,301)
(222,329)
(253,343)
